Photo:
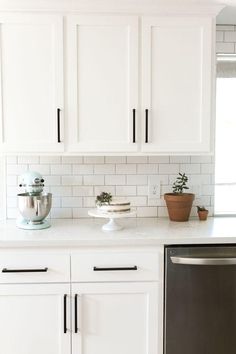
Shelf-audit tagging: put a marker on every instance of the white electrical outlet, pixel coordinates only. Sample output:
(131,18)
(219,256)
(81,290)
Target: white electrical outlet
(154,187)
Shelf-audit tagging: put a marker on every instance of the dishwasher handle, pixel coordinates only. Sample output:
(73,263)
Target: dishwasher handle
(203,261)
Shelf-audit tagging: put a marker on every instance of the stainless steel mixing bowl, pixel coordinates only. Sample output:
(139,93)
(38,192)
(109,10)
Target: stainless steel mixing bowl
(34,208)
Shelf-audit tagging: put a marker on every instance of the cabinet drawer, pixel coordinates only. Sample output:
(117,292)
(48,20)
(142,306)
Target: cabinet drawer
(114,266)
(34,268)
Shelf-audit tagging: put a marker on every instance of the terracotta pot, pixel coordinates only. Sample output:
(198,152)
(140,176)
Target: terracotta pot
(179,205)
(202,214)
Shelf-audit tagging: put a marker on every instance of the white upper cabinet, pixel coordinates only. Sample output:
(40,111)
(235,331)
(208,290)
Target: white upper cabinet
(102,83)
(177,84)
(31,83)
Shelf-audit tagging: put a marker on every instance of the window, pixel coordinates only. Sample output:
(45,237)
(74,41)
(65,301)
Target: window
(225,151)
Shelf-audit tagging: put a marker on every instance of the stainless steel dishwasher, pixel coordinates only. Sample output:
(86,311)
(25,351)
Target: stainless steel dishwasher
(200,300)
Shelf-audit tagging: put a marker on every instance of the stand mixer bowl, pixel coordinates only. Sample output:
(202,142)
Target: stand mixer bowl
(34,207)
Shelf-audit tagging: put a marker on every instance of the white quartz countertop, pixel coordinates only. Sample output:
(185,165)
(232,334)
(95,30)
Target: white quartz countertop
(136,232)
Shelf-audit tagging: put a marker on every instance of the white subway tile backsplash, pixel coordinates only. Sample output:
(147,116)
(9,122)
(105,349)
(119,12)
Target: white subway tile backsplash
(82,169)
(158,159)
(82,191)
(115,159)
(126,190)
(207,168)
(61,213)
(16,169)
(146,212)
(11,160)
(72,159)
(52,180)
(142,190)
(147,168)
(114,180)
(222,47)
(192,168)
(137,159)
(201,159)
(104,169)
(134,180)
(125,169)
(108,189)
(28,159)
(42,169)
(50,159)
(229,36)
(219,36)
(61,191)
(71,180)
(225,28)
(169,168)
(93,180)
(62,169)
(12,180)
(89,202)
(69,202)
(94,159)
(179,159)
(76,181)
(80,213)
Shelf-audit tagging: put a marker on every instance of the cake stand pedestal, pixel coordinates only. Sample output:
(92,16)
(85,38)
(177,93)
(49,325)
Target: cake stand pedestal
(111,225)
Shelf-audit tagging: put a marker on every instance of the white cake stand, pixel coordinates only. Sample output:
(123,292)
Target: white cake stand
(111,225)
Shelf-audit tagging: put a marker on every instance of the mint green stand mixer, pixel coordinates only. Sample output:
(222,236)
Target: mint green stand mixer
(34,205)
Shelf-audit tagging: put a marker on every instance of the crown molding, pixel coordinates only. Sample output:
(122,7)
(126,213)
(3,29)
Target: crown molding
(152,7)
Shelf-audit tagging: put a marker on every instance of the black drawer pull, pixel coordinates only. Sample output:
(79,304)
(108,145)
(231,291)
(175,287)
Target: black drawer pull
(30,270)
(134,126)
(65,313)
(76,313)
(58,125)
(107,269)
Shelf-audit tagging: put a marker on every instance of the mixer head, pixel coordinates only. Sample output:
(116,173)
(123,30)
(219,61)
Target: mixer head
(32,182)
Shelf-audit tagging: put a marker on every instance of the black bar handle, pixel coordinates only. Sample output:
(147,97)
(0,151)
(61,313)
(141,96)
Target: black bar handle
(30,270)
(76,313)
(146,125)
(134,126)
(107,269)
(58,125)
(65,313)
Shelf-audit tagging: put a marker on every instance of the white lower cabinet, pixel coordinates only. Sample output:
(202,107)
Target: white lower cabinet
(117,318)
(32,319)
(112,305)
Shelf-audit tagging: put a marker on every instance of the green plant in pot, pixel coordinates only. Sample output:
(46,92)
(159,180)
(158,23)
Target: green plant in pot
(179,203)
(202,212)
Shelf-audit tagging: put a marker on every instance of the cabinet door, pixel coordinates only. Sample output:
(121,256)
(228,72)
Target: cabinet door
(102,83)
(119,318)
(31,82)
(177,84)
(32,319)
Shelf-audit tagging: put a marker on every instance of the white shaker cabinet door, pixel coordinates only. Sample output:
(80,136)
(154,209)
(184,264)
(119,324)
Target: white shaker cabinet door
(102,83)
(32,319)
(177,84)
(117,318)
(31,83)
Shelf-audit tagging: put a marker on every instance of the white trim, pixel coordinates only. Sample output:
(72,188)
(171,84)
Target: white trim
(2,188)
(105,6)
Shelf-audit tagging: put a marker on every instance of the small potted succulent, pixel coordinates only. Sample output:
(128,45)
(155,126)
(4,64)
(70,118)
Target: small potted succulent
(178,203)
(202,212)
